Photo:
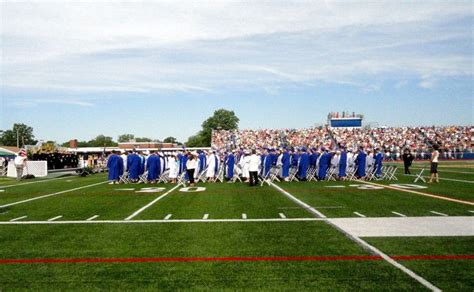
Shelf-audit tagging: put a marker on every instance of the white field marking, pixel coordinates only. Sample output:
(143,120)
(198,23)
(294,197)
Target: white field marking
(151,203)
(399,214)
(361,242)
(1,191)
(360,215)
(53,194)
(19,218)
(298,201)
(160,221)
(244,216)
(282,216)
(124,189)
(449,171)
(471,211)
(168,216)
(205,217)
(335,186)
(54,218)
(438,213)
(423,194)
(32,182)
(354,186)
(92,218)
(448,179)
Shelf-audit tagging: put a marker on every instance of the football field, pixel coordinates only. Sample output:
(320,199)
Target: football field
(82,233)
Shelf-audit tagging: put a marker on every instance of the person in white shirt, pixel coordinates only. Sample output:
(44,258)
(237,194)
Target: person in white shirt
(212,166)
(244,164)
(254,163)
(191,166)
(173,168)
(434,164)
(20,163)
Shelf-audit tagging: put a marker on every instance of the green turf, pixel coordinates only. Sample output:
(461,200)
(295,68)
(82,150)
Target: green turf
(451,275)
(225,201)
(343,202)
(191,240)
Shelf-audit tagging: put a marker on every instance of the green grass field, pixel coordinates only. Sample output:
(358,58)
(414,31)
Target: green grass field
(229,236)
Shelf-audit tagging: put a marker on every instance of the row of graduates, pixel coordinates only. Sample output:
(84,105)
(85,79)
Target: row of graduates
(303,159)
(237,162)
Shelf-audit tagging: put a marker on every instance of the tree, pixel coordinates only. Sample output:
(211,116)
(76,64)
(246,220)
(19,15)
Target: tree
(170,140)
(101,141)
(125,138)
(22,131)
(222,119)
(144,139)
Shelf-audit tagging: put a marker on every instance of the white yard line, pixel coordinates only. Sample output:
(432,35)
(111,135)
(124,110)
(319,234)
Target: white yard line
(205,217)
(55,218)
(471,211)
(33,182)
(53,194)
(442,178)
(151,203)
(360,215)
(399,214)
(92,218)
(448,171)
(282,216)
(19,218)
(244,216)
(159,221)
(361,242)
(168,216)
(438,213)
(421,193)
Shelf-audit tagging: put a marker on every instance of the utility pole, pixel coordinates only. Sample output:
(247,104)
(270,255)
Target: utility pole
(17,138)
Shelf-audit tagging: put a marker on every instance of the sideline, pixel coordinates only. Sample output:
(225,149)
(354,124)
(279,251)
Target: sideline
(151,203)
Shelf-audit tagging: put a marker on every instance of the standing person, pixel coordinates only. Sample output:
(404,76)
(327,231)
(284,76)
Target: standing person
(153,167)
(434,164)
(113,164)
(230,162)
(360,162)
(212,167)
(303,164)
(254,163)
(285,165)
(173,168)
(378,163)
(191,165)
(407,160)
(343,163)
(133,165)
(20,163)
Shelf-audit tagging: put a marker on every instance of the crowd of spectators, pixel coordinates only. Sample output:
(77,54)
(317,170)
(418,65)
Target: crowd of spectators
(454,141)
(57,160)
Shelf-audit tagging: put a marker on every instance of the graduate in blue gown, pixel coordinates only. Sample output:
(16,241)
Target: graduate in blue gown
(303,165)
(313,158)
(324,161)
(266,164)
(360,162)
(121,169)
(133,165)
(378,163)
(113,164)
(229,163)
(202,161)
(142,163)
(343,163)
(285,164)
(294,158)
(153,166)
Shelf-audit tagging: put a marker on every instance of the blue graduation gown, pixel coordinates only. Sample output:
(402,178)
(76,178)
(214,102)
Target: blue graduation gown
(303,165)
(343,164)
(120,164)
(323,166)
(133,165)
(294,159)
(113,164)
(152,167)
(202,162)
(378,164)
(267,165)
(360,162)
(285,168)
(230,166)
(142,164)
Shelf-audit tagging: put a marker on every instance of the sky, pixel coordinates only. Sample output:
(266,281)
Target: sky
(77,69)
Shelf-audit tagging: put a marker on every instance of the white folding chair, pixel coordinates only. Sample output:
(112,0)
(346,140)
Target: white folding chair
(123,179)
(143,178)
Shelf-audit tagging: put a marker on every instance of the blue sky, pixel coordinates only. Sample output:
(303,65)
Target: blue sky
(158,69)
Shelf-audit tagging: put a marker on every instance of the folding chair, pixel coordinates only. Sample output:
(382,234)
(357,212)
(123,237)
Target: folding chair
(274,172)
(236,176)
(312,174)
(143,178)
(202,176)
(420,176)
(293,173)
(331,174)
(123,179)
(392,173)
(350,173)
(182,179)
(369,173)
(164,177)
(220,173)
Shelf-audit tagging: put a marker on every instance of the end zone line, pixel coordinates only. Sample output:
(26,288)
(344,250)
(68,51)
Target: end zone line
(158,221)
(53,194)
(151,203)
(364,244)
(421,194)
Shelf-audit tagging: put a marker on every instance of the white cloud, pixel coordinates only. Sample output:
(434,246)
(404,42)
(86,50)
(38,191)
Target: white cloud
(204,46)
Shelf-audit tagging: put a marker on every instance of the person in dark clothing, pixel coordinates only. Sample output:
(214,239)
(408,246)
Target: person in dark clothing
(407,160)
